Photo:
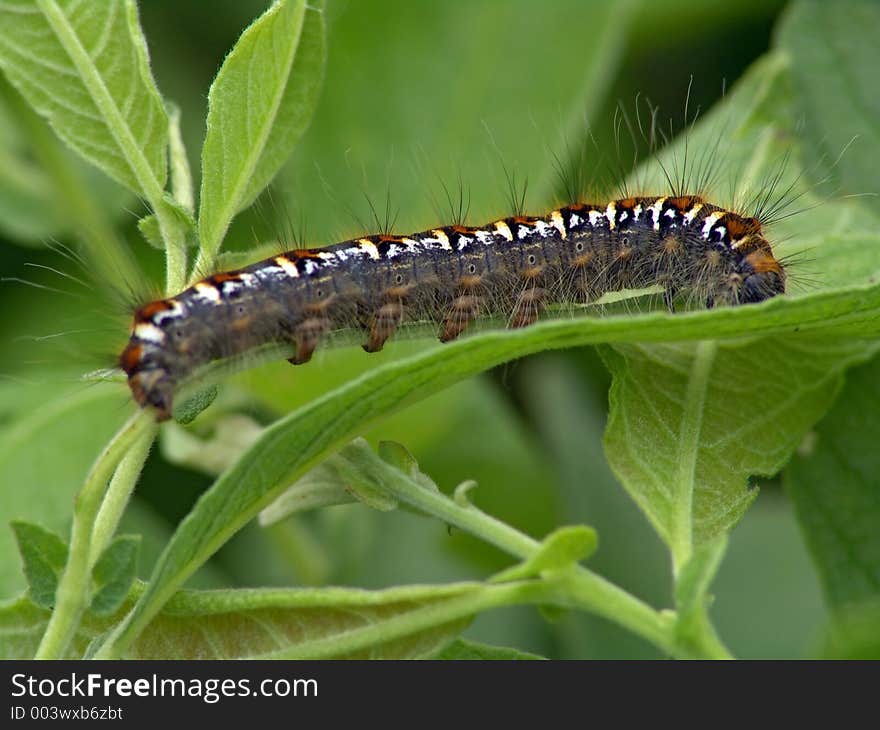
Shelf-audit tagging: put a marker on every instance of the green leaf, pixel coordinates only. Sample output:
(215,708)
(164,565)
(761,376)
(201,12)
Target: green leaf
(690,424)
(114,573)
(355,466)
(462,649)
(85,68)
(834,482)
(149,228)
(561,549)
(184,224)
(397,623)
(258,107)
(44,555)
(834,55)
(187,411)
(398,456)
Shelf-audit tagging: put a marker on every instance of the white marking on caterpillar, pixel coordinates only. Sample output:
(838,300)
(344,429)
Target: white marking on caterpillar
(248,280)
(522,232)
(369,247)
(270,272)
(637,211)
(176,311)
(443,239)
(557,222)
(485,237)
(504,230)
(543,228)
(655,211)
(149,332)
(207,292)
(288,266)
(311,267)
(463,242)
(692,213)
(595,217)
(611,215)
(710,222)
(575,220)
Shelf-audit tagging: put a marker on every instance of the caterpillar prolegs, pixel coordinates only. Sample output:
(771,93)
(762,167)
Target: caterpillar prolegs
(513,267)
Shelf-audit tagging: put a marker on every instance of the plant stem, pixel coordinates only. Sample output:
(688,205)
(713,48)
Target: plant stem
(74,585)
(118,493)
(585,589)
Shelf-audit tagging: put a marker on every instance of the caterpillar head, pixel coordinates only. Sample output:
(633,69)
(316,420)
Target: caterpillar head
(762,277)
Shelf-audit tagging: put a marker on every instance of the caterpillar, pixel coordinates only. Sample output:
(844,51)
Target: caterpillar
(451,275)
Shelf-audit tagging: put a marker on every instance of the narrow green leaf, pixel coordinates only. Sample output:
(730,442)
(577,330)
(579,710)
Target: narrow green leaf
(44,555)
(187,411)
(834,482)
(176,215)
(114,573)
(397,455)
(258,107)
(85,68)
(181,177)
(233,624)
(149,228)
(354,464)
(463,649)
(561,549)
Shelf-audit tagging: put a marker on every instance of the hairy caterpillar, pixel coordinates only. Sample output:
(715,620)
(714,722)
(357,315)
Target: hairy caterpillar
(451,275)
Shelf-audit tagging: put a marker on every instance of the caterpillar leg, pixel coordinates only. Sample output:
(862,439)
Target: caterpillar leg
(528,307)
(464,310)
(307,335)
(385,320)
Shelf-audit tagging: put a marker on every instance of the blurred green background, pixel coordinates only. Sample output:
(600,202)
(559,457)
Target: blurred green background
(418,95)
